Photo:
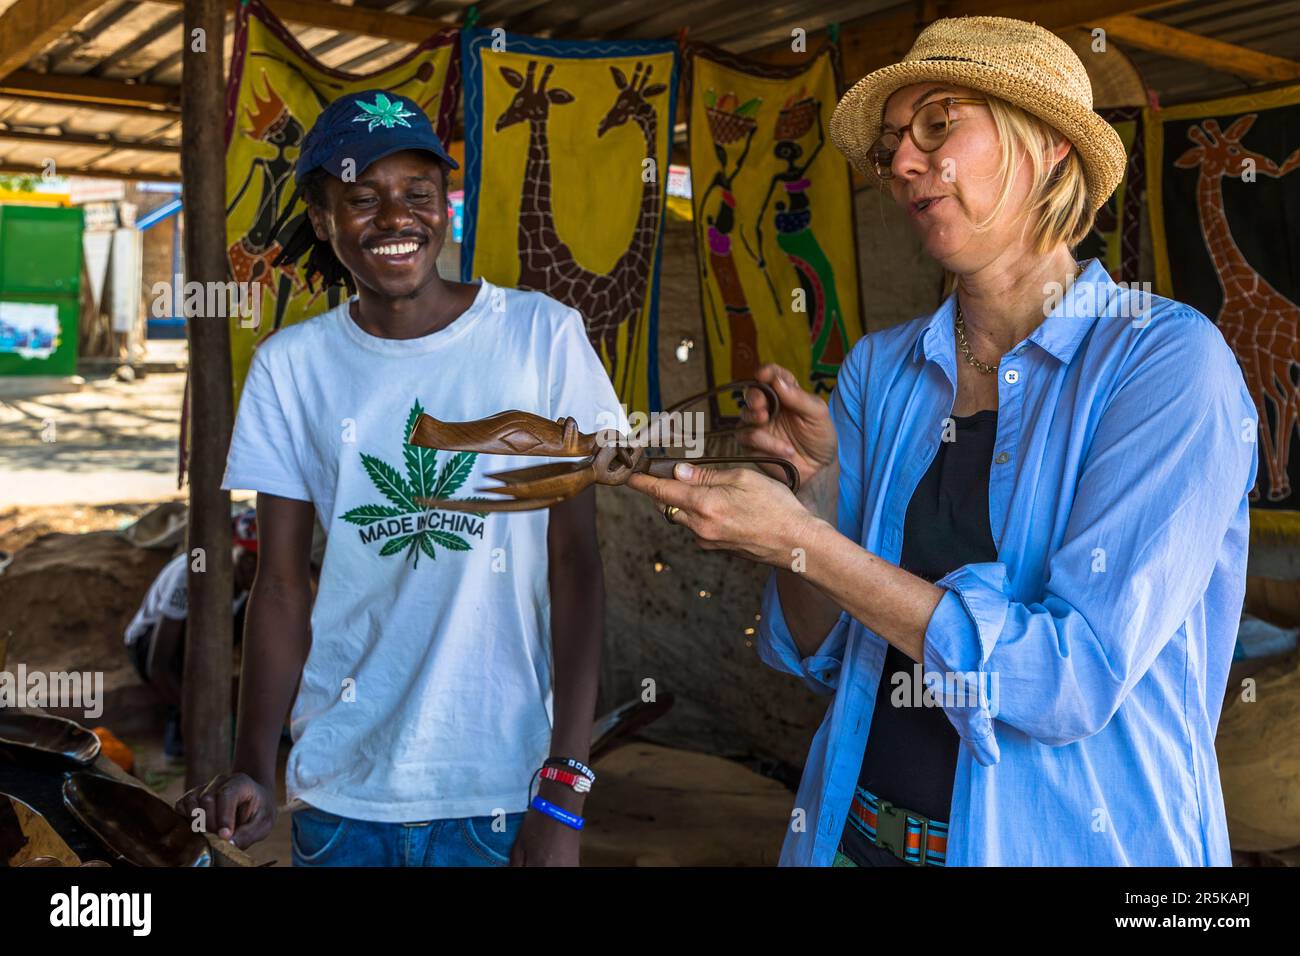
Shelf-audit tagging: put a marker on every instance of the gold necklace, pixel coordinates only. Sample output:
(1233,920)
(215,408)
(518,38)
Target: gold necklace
(965,346)
(960,327)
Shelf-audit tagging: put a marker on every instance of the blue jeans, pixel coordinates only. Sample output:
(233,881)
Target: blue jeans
(323,839)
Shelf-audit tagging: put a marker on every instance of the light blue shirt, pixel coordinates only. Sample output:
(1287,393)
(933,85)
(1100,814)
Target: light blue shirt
(1102,635)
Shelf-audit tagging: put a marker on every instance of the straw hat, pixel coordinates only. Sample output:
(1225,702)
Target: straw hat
(1018,62)
(1115,79)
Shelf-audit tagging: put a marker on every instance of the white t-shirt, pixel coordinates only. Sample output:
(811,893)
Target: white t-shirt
(427,691)
(167,597)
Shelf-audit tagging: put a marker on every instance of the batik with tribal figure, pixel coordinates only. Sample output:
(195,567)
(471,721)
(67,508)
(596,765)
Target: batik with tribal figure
(773,215)
(275,92)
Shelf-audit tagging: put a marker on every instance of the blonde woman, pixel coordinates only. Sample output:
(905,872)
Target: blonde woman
(1023,526)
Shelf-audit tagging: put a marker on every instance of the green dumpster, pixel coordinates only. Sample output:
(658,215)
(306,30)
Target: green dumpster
(40,287)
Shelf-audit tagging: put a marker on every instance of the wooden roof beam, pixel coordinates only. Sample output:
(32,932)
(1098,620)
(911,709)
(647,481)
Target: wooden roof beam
(29,26)
(1186,45)
(86,139)
(90,91)
(131,175)
(879,39)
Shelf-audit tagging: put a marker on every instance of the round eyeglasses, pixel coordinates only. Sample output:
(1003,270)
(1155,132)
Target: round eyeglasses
(928,128)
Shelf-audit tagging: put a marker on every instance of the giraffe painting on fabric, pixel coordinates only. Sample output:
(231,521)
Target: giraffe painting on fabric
(610,300)
(1261,324)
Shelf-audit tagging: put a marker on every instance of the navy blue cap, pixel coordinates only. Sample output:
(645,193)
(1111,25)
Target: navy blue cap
(364,127)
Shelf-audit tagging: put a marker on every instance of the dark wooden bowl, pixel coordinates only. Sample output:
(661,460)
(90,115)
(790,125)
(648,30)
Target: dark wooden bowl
(133,824)
(49,736)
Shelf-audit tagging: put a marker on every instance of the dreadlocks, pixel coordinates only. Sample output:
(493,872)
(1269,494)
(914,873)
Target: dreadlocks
(299,236)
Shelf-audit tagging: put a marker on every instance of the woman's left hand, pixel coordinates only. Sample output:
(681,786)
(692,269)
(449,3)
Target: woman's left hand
(733,509)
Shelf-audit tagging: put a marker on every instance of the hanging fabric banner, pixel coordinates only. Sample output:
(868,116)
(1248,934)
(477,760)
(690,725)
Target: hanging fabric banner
(773,213)
(567,147)
(275,92)
(1224,181)
(1116,234)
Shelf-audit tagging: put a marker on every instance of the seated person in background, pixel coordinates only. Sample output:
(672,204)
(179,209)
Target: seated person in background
(156,635)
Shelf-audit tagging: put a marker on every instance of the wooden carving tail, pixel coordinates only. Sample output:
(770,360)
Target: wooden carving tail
(506,433)
(430,432)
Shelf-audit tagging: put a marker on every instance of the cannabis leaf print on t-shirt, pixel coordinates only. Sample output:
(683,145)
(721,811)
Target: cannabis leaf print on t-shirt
(402,524)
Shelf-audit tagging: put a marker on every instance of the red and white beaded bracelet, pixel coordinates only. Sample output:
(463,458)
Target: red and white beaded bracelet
(577,781)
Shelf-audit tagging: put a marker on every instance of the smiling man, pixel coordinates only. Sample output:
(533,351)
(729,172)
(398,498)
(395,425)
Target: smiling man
(448,656)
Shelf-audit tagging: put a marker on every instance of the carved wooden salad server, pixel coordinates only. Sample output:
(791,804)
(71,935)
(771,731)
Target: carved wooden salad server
(606,457)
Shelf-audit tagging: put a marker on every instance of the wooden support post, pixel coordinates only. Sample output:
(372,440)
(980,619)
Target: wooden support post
(209,629)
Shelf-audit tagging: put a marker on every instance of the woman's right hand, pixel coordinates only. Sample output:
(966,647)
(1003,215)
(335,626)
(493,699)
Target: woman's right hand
(802,432)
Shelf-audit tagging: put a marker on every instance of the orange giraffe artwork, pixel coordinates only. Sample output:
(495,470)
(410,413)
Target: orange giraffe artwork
(1261,324)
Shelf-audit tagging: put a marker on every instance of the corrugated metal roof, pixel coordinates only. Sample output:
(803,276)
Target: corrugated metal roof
(125,40)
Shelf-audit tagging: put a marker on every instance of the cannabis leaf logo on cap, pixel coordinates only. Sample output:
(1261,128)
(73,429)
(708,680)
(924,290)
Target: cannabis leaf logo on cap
(423,479)
(383,112)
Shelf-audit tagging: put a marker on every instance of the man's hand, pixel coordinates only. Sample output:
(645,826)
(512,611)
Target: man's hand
(235,807)
(545,842)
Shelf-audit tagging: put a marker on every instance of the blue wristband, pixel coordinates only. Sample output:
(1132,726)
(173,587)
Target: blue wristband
(571,820)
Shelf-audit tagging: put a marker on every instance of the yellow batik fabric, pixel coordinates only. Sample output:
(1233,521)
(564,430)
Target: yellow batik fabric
(566,159)
(276,91)
(773,214)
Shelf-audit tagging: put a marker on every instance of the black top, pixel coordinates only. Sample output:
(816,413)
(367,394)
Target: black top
(911,753)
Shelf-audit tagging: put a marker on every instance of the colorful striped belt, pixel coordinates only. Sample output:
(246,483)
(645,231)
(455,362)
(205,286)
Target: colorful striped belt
(898,830)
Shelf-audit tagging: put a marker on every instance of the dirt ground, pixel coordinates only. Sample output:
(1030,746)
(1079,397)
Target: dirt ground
(73,586)
(20,526)
(111,441)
